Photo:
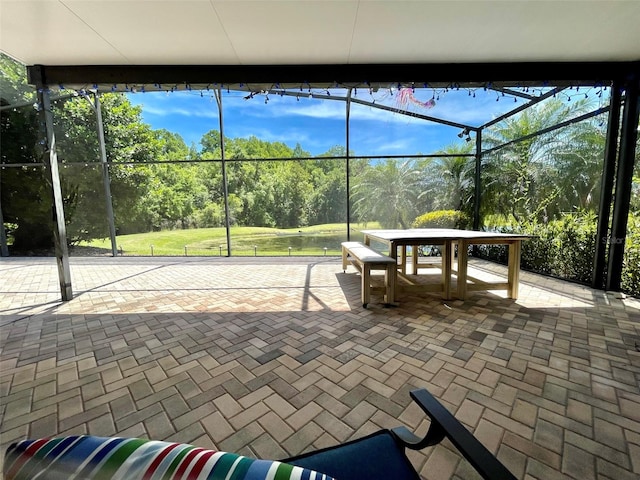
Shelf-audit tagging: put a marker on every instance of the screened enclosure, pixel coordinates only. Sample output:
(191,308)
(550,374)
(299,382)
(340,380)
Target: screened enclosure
(285,170)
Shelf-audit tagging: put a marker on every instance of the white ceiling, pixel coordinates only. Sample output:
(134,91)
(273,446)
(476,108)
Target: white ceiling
(260,32)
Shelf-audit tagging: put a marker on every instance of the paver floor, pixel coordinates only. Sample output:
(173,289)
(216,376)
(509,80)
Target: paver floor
(270,357)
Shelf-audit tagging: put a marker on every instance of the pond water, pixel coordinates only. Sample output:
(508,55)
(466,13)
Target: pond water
(312,244)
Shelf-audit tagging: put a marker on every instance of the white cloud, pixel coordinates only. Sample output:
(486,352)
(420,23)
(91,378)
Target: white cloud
(188,104)
(399,145)
(289,136)
(318,124)
(456,106)
(186,112)
(283,106)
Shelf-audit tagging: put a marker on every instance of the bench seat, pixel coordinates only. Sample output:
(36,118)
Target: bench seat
(365,259)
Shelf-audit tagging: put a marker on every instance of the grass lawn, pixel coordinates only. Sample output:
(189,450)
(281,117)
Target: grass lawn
(245,241)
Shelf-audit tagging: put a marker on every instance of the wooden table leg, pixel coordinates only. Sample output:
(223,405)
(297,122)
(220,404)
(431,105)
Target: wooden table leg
(447,253)
(453,252)
(463,246)
(514,269)
(414,259)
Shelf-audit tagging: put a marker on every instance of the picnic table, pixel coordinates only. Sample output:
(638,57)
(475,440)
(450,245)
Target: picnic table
(447,239)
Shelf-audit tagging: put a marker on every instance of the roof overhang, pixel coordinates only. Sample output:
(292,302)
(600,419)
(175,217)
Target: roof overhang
(264,77)
(351,42)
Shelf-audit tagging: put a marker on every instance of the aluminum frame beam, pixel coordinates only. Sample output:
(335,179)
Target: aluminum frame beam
(264,77)
(624,179)
(606,195)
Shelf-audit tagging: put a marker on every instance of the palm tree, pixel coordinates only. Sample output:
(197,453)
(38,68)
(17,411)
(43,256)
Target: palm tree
(452,181)
(521,179)
(579,167)
(387,193)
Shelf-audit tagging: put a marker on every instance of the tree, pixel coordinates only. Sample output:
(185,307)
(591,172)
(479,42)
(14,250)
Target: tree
(449,180)
(211,145)
(129,142)
(269,193)
(291,187)
(327,202)
(387,193)
(175,190)
(26,199)
(327,199)
(579,168)
(14,88)
(26,193)
(518,180)
(172,147)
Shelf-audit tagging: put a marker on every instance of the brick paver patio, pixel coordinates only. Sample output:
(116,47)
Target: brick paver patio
(271,357)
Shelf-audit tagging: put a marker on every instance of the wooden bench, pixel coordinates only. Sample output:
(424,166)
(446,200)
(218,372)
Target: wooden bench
(365,259)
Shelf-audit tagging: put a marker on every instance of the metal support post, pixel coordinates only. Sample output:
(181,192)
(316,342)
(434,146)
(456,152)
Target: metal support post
(624,180)
(348,166)
(608,176)
(51,162)
(477,183)
(106,180)
(227,213)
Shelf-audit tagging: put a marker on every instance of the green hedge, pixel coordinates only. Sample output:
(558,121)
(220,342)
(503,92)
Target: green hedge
(631,265)
(565,248)
(441,219)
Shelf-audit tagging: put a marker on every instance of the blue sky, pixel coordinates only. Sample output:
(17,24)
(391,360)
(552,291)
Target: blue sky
(317,125)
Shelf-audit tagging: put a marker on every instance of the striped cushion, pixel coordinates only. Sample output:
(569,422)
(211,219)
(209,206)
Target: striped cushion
(87,457)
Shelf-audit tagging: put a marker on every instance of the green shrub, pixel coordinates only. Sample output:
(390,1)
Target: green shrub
(631,263)
(576,236)
(565,248)
(538,250)
(442,219)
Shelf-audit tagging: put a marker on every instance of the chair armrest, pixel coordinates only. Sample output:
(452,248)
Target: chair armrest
(444,424)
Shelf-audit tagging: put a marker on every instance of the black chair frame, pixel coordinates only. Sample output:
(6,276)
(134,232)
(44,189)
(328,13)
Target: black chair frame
(383,453)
